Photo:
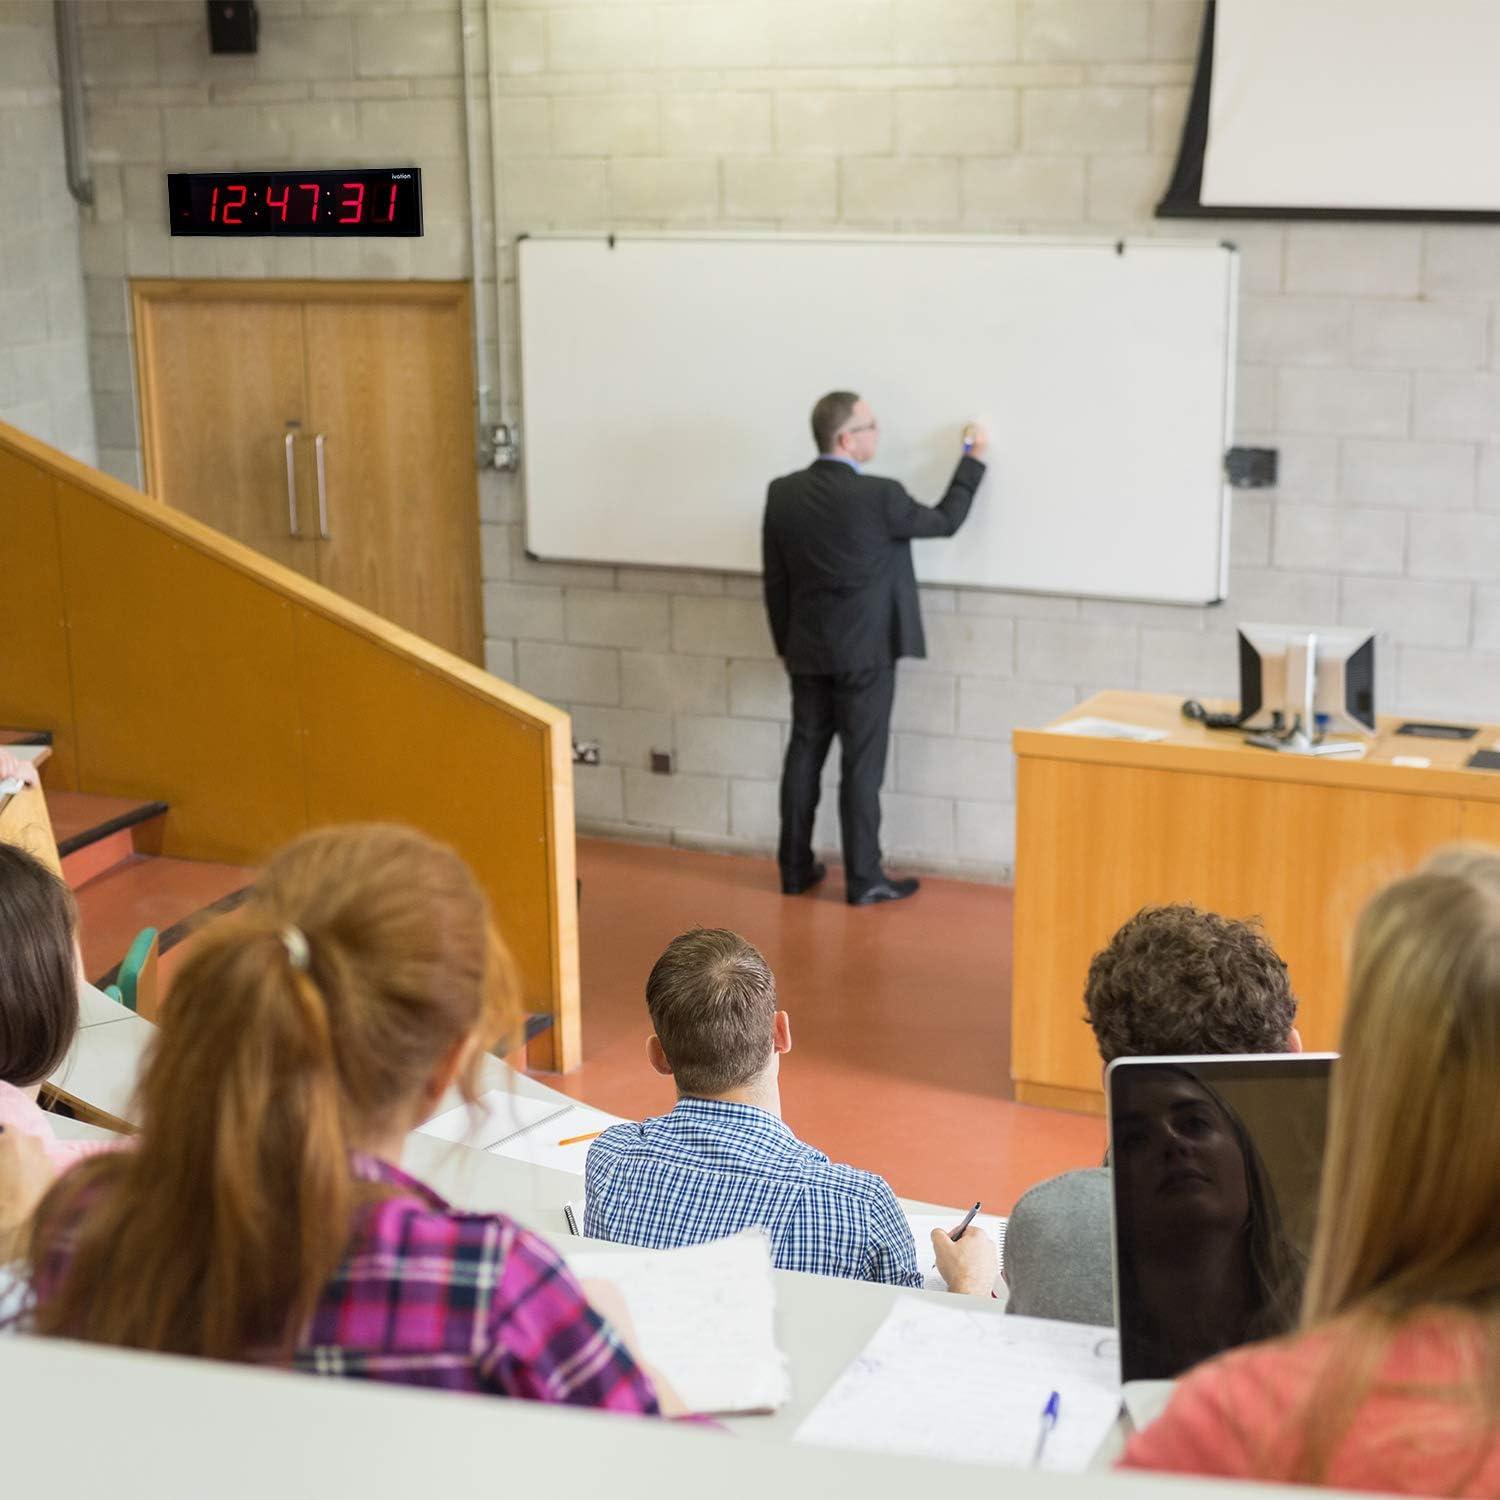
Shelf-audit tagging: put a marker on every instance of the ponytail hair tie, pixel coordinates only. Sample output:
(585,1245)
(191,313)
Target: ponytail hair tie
(294,940)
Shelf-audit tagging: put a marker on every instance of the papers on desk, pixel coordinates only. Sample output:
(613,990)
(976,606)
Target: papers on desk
(946,1383)
(1109,729)
(922,1226)
(524,1129)
(705,1317)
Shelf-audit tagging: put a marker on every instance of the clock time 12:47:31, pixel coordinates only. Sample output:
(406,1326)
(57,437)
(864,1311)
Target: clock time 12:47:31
(360,201)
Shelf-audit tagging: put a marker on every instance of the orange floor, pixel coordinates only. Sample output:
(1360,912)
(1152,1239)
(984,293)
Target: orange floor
(900,1017)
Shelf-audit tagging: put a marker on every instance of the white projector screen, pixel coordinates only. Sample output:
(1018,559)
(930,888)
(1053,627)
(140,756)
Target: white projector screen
(666,380)
(1382,105)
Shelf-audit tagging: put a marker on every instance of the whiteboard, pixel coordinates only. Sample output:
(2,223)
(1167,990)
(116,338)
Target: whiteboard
(666,380)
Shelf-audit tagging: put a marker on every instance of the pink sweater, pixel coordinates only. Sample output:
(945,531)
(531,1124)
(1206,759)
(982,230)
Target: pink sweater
(18,1112)
(1419,1431)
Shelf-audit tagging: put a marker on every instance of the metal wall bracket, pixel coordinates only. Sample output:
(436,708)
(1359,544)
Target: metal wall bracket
(505,446)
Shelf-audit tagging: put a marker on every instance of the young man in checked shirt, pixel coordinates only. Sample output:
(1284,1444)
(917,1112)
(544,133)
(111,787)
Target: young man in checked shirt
(723,1160)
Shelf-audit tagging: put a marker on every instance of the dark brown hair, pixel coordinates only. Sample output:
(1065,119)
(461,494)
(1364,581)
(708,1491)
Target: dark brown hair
(1176,980)
(38,969)
(712,999)
(298,1028)
(831,412)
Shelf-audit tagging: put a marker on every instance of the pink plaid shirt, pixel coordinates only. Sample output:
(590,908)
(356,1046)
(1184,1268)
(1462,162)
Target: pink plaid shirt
(431,1296)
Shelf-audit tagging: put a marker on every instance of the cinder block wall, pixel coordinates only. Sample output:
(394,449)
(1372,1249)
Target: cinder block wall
(1369,354)
(333,84)
(44,364)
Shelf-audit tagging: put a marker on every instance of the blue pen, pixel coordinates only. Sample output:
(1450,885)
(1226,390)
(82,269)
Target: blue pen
(1049,1421)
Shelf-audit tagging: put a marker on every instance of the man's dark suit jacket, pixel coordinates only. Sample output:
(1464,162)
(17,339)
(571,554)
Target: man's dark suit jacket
(840,589)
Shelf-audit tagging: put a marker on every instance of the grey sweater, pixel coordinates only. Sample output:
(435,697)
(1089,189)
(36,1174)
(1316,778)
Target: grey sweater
(1057,1249)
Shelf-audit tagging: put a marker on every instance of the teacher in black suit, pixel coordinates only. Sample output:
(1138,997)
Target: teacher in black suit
(842,598)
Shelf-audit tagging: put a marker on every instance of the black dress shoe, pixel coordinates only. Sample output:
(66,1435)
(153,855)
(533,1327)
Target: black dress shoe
(886,890)
(808,881)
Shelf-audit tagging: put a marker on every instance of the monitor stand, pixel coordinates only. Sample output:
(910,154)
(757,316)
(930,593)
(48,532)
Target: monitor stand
(1302,698)
(1297,741)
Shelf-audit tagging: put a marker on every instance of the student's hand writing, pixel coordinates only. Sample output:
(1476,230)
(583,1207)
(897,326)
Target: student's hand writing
(25,1176)
(969,1264)
(22,770)
(609,1302)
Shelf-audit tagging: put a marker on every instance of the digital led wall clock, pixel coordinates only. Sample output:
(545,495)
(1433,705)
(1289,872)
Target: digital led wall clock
(380,201)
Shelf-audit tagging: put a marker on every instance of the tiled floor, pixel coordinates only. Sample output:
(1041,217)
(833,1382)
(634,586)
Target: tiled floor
(900,1017)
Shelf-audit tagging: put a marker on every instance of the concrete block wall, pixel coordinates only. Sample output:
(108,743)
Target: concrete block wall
(1370,355)
(44,354)
(333,84)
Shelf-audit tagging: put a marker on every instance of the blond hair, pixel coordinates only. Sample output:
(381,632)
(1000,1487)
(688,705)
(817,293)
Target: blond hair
(1411,1179)
(299,1028)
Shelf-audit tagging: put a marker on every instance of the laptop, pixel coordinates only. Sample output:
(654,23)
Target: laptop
(1216,1166)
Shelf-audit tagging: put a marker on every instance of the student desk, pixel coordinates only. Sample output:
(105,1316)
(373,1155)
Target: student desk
(1105,827)
(822,1323)
(97,1078)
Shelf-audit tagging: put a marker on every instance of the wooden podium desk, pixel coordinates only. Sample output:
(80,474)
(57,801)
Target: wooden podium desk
(1105,827)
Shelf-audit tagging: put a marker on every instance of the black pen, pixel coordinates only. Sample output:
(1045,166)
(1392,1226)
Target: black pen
(958,1234)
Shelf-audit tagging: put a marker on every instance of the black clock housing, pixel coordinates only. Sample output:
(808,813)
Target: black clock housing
(383,202)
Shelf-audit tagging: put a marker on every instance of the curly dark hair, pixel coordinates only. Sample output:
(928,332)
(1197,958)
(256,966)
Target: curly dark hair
(1176,980)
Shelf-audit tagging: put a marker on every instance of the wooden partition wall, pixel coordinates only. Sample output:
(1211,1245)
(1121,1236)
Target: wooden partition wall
(169,661)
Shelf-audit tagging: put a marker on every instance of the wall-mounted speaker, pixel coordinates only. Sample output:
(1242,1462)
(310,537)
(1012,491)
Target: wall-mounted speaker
(233,26)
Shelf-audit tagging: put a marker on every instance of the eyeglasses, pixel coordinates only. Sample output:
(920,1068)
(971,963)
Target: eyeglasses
(864,427)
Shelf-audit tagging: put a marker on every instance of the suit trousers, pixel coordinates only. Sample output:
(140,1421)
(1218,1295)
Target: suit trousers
(855,706)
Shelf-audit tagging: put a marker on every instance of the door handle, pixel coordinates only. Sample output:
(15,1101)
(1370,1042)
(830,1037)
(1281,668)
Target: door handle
(291,485)
(321,464)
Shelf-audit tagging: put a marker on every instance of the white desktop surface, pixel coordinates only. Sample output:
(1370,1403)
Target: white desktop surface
(108,1422)
(821,1322)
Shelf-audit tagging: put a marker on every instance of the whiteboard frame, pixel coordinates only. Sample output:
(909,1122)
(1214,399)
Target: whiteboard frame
(1119,243)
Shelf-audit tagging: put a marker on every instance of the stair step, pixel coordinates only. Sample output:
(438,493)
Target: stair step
(146,891)
(81,818)
(96,833)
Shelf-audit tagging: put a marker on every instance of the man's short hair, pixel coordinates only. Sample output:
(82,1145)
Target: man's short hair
(830,414)
(712,999)
(1176,980)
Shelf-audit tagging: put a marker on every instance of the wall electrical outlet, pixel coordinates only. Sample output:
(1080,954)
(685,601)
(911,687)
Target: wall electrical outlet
(585,752)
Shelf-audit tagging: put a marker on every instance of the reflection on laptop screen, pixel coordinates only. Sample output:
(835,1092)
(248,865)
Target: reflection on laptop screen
(1216,1166)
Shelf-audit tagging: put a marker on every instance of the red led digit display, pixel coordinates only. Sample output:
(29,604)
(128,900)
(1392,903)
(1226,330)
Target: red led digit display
(386,201)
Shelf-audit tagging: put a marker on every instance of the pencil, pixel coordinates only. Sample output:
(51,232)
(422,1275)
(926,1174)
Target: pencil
(573,1140)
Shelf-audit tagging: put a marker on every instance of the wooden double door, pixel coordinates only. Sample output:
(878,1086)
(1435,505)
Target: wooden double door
(328,425)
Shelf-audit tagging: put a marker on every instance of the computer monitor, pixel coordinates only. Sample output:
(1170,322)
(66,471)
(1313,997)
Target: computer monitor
(1312,679)
(1215,1166)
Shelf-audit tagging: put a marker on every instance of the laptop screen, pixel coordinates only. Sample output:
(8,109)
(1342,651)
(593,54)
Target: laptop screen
(1216,1163)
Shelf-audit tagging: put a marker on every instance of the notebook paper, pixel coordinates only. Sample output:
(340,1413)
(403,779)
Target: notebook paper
(524,1129)
(922,1226)
(492,1118)
(945,1383)
(705,1317)
(543,1145)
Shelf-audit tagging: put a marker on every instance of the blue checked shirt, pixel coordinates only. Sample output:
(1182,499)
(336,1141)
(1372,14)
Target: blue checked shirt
(711,1168)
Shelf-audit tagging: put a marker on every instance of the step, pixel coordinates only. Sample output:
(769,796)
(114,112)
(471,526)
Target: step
(147,891)
(96,833)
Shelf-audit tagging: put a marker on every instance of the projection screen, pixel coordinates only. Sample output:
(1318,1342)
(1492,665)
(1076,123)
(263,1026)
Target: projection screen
(1360,108)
